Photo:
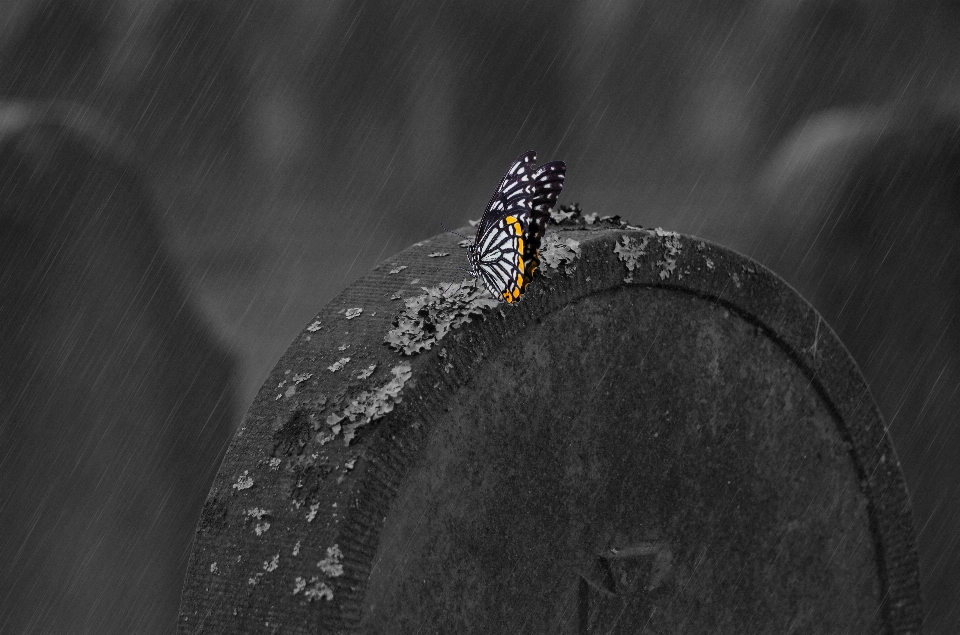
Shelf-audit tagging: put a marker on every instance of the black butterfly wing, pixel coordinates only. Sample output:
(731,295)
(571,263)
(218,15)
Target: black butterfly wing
(547,184)
(515,190)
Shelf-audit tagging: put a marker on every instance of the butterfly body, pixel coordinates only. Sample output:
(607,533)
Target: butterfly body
(506,251)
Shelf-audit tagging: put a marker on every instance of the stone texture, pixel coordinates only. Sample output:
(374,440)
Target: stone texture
(689,451)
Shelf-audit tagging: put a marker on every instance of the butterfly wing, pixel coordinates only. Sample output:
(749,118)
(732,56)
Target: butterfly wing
(547,184)
(499,260)
(506,252)
(515,190)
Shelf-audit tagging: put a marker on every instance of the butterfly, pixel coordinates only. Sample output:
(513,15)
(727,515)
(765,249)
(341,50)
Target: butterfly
(506,251)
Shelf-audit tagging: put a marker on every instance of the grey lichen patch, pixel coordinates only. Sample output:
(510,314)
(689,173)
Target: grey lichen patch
(557,253)
(261,517)
(315,589)
(438,254)
(352,313)
(298,379)
(671,243)
(366,372)
(324,438)
(271,564)
(243,481)
(397,270)
(370,405)
(564,213)
(630,250)
(572,216)
(332,565)
(314,326)
(426,319)
(338,365)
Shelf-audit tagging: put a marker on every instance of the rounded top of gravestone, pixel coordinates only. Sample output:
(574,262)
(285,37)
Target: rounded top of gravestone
(661,434)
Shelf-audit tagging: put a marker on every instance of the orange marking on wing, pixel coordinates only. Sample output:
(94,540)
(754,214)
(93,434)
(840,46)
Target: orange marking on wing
(510,220)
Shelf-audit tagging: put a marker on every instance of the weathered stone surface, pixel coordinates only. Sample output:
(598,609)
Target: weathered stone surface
(661,433)
(863,221)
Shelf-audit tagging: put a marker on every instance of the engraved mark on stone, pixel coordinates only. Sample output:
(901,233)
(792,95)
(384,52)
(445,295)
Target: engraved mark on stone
(614,588)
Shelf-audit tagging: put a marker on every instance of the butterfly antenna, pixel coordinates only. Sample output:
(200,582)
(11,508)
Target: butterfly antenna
(454,233)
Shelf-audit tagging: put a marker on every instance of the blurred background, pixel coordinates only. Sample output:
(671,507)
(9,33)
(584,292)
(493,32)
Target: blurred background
(186,182)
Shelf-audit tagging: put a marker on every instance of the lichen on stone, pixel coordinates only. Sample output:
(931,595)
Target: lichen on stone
(338,365)
(671,243)
(366,372)
(426,319)
(313,590)
(299,378)
(243,481)
(572,216)
(630,249)
(262,518)
(370,405)
(564,213)
(332,565)
(558,252)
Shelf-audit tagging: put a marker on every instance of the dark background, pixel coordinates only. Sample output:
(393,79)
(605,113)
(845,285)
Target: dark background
(284,147)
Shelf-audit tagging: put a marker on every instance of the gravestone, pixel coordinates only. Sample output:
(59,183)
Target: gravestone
(116,400)
(661,437)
